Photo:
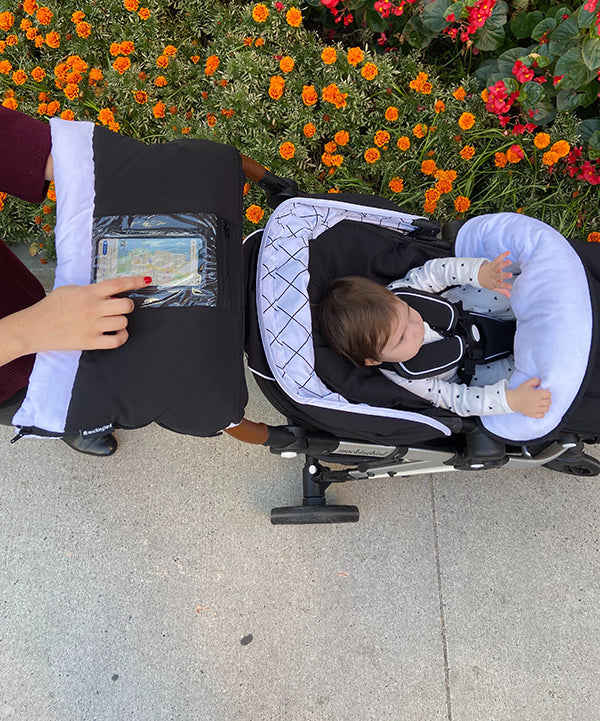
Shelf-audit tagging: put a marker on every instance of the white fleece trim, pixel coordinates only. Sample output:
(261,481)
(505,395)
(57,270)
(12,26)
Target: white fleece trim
(551,301)
(51,382)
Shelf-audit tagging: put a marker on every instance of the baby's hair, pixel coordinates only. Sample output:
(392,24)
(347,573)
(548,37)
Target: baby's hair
(357,317)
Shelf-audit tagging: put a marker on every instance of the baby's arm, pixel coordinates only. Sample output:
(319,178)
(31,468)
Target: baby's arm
(441,273)
(529,399)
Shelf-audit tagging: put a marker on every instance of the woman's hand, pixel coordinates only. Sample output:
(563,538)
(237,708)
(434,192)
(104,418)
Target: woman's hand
(492,275)
(72,317)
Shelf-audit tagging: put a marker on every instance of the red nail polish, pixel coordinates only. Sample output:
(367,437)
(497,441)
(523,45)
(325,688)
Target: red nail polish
(148,280)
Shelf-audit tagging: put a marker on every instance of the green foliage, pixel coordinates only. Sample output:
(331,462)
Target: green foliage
(279,95)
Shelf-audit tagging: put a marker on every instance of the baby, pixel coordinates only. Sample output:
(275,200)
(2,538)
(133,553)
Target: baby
(368,324)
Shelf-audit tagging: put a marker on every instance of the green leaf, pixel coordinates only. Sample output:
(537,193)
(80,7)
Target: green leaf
(558,12)
(543,27)
(567,100)
(531,93)
(507,60)
(374,20)
(486,70)
(416,33)
(585,18)
(564,36)
(491,35)
(511,84)
(456,8)
(589,94)
(587,128)
(594,145)
(434,15)
(544,111)
(522,24)
(576,73)
(591,53)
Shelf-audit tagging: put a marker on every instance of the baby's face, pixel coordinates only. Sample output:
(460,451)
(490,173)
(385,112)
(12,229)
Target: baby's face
(406,337)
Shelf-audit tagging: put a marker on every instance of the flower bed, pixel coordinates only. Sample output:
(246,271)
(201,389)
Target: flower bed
(334,119)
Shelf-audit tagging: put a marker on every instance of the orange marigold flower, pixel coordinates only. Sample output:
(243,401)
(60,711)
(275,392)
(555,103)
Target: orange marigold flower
(52,40)
(355,56)
(195,59)
(127,47)
(467,152)
(372,155)
(121,64)
(293,17)
(131,5)
(10,103)
(466,121)
(259,42)
(74,78)
(144,13)
(44,15)
(115,49)
(212,63)
(159,110)
(77,16)
(71,91)
(550,157)
(541,140)
(429,207)
(332,94)
(160,81)
(462,204)
(485,94)
(391,114)
(369,71)
(51,194)
(29,6)
(211,120)
(5,67)
(140,97)
(309,95)
(170,51)
(514,154)
(432,195)
(53,108)
(342,137)
(459,93)
(396,184)
(287,150)
(329,56)
(309,130)
(276,87)
(382,137)
(593,237)
(286,64)
(403,143)
(330,147)
(443,186)
(337,160)
(428,167)
(186,131)
(420,130)
(6,21)
(561,148)
(439,106)
(255,213)
(420,84)
(19,77)
(260,13)
(326,159)
(65,115)
(83,29)
(162,61)
(500,160)
(228,113)
(95,76)
(105,116)
(25,24)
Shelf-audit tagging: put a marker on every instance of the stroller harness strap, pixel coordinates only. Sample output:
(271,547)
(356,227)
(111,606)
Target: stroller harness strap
(468,339)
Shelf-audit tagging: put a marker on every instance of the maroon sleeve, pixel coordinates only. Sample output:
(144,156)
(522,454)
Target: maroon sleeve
(24,148)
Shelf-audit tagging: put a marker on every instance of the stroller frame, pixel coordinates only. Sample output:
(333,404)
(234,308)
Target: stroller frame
(363,460)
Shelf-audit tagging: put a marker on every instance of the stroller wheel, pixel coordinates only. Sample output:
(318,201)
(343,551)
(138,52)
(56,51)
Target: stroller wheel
(314,514)
(575,464)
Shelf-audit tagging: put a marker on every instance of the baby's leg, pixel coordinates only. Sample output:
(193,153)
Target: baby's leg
(480,300)
(490,373)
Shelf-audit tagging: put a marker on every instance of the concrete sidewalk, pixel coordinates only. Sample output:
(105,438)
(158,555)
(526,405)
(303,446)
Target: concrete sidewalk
(151,586)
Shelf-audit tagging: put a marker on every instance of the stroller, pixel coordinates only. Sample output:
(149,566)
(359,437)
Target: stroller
(354,417)
(188,337)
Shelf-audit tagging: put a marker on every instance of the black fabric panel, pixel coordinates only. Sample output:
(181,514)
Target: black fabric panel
(182,367)
(134,178)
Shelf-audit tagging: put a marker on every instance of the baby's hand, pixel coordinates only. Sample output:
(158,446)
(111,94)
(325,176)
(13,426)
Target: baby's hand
(529,399)
(492,275)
